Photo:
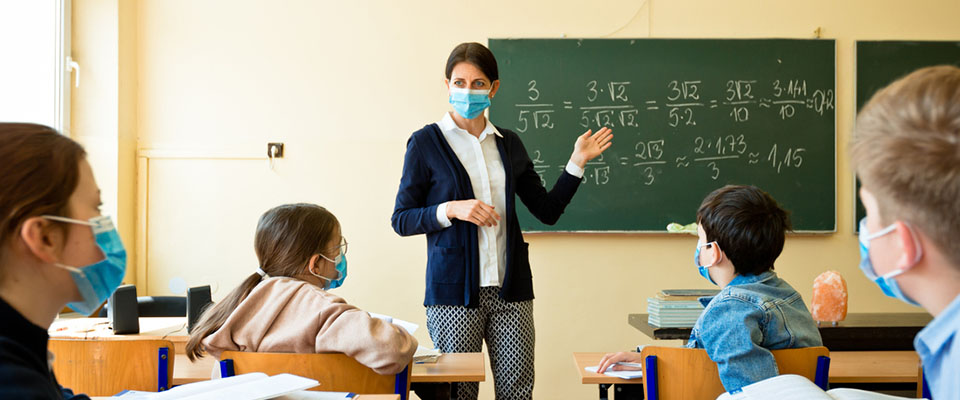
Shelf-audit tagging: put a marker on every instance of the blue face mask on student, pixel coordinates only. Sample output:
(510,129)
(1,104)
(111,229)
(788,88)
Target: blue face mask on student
(469,103)
(341,265)
(886,282)
(704,272)
(96,282)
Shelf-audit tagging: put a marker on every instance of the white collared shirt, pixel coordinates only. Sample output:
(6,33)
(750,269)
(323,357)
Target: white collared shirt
(481,159)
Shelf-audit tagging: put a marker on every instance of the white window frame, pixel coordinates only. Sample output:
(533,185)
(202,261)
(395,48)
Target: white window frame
(54,109)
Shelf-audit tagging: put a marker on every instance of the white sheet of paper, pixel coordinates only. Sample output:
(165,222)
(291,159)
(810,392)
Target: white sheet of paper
(617,374)
(408,326)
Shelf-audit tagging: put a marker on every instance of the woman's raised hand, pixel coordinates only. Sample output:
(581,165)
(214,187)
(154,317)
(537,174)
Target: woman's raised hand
(590,144)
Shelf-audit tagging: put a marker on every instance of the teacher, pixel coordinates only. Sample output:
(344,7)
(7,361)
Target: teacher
(461,177)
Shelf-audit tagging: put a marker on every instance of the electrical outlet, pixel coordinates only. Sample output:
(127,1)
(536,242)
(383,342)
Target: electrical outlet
(274,150)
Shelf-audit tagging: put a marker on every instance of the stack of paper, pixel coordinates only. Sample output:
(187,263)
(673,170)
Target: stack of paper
(676,308)
(425,355)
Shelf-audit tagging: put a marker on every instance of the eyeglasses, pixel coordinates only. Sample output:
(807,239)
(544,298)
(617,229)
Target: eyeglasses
(342,251)
(343,246)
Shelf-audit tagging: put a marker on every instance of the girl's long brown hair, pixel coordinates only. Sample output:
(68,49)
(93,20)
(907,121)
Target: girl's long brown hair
(287,236)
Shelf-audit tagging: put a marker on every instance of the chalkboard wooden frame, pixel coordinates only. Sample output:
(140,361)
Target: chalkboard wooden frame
(825,62)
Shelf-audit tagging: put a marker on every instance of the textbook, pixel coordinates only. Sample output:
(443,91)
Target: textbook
(426,355)
(796,387)
(673,311)
(252,386)
(690,292)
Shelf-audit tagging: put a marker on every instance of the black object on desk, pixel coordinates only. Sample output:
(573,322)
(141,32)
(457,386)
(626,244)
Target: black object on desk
(122,310)
(198,298)
(859,332)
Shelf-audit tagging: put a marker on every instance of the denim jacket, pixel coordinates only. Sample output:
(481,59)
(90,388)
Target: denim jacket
(751,316)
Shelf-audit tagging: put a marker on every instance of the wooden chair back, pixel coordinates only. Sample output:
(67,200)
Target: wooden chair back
(682,373)
(105,367)
(336,372)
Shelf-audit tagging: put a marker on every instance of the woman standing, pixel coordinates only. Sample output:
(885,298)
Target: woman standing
(461,177)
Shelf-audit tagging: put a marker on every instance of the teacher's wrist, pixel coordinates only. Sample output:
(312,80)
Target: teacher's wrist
(578,160)
(574,169)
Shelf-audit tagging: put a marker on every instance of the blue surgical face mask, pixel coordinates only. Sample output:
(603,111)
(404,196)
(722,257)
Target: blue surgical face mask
(886,282)
(469,103)
(96,282)
(341,265)
(703,268)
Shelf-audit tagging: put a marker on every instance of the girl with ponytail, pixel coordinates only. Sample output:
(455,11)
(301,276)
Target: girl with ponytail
(284,306)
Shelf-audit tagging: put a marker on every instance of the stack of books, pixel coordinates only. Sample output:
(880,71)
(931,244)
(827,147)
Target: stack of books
(676,308)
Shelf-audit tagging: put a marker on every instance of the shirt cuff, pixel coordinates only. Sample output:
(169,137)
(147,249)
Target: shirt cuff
(442,216)
(574,169)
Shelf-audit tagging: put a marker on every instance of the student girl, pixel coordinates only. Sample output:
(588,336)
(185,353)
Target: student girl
(55,250)
(285,305)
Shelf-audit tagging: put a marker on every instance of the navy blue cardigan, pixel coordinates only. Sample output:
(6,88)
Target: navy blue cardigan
(432,175)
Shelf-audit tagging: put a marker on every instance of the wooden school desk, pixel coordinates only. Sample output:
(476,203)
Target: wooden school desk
(859,332)
(583,360)
(458,367)
(845,367)
(173,329)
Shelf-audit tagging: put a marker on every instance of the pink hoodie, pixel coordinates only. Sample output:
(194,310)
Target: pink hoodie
(287,315)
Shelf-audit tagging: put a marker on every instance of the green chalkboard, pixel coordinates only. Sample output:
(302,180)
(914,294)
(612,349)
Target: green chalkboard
(879,63)
(688,115)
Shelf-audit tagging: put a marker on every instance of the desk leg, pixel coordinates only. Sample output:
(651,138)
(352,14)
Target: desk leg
(434,391)
(603,391)
(628,392)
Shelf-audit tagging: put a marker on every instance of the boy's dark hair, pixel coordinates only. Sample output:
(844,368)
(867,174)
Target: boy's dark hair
(747,223)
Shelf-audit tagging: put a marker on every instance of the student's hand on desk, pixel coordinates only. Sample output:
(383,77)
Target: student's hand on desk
(610,360)
(589,145)
(473,211)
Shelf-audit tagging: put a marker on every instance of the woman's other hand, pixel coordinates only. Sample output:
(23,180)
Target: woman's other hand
(473,211)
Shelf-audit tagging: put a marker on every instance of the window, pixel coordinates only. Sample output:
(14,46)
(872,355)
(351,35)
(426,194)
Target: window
(34,49)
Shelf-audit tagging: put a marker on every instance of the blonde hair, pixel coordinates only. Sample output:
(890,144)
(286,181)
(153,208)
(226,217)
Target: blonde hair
(906,151)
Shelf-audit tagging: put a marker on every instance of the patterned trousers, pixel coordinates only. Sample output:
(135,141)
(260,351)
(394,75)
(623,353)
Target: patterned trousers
(508,330)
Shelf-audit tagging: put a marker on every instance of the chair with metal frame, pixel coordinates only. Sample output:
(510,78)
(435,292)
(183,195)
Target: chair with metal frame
(672,373)
(336,372)
(105,367)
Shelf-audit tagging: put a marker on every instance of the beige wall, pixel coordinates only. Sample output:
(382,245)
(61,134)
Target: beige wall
(343,84)
(103,116)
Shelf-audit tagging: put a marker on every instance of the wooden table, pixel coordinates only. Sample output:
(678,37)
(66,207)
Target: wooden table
(453,367)
(458,367)
(859,332)
(185,372)
(874,366)
(583,360)
(173,329)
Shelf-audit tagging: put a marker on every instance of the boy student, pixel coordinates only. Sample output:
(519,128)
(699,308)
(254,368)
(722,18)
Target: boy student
(906,152)
(741,233)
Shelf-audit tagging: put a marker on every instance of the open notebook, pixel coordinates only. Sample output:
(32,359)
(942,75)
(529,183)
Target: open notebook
(796,387)
(252,386)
